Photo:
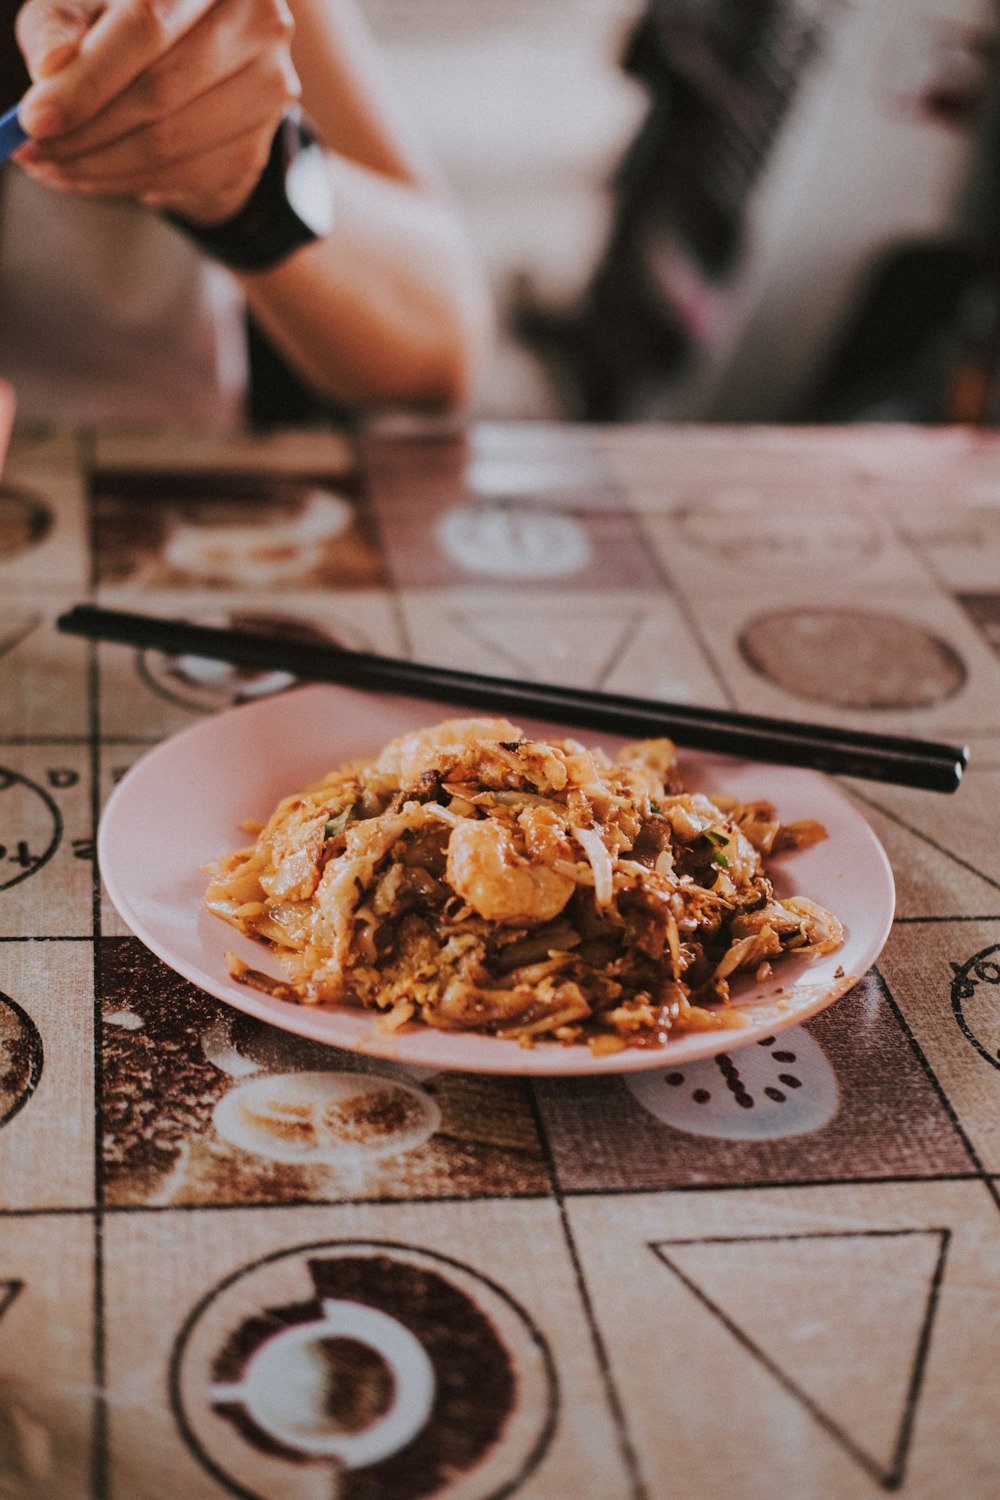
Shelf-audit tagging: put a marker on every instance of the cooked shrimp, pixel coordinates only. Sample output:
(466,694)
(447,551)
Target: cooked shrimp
(485,869)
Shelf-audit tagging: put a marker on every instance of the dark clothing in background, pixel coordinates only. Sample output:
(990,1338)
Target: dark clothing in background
(13,74)
(720,76)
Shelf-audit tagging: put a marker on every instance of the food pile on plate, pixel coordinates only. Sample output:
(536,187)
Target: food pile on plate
(473,879)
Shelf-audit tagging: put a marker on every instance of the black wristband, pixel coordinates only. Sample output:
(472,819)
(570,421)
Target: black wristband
(278,218)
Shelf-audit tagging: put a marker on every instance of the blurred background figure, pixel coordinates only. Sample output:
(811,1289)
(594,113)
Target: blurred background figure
(712,210)
(732,210)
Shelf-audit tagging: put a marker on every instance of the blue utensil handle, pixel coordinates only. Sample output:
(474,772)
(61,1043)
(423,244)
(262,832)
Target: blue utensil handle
(12,133)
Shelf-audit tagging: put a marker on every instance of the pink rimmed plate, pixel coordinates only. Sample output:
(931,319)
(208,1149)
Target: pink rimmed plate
(182,805)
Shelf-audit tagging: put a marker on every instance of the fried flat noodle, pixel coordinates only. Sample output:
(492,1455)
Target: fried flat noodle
(473,879)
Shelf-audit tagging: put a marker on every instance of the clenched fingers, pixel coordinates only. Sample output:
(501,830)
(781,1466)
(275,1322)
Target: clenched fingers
(179,160)
(111,44)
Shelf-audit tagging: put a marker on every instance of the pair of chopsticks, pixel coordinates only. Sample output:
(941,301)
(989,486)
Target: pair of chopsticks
(876,757)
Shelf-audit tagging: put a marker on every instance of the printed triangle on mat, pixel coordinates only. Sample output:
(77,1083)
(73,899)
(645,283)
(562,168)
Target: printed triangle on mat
(15,627)
(579,647)
(843,1321)
(916,852)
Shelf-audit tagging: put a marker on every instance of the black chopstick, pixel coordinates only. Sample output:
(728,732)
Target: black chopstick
(875,757)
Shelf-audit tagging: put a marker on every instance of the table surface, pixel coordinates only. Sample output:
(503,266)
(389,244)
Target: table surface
(609,1289)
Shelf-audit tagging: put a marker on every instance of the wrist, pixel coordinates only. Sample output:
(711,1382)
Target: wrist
(290,207)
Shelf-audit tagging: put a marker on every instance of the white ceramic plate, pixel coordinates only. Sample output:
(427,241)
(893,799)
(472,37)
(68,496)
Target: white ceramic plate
(182,805)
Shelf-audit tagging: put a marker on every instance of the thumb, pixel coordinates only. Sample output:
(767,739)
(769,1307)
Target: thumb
(49,33)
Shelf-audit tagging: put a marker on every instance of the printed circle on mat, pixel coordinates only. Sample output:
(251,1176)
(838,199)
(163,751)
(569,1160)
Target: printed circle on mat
(20,1058)
(782,1086)
(975,999)
(30,827)
(393,1370)
(497,542)
(334,1117)
(196,682)
(852,659)
(282,543)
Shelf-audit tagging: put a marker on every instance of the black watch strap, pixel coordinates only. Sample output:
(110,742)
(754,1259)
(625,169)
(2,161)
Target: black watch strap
(269,226)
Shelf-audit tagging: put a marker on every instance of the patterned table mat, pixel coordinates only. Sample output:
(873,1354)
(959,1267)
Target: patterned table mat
(630,1287)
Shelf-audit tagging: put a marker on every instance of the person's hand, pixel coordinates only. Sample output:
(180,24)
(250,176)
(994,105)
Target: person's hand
(171,102)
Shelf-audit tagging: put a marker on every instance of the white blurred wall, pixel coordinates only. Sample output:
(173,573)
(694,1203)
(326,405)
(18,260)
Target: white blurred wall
(862,166)
(524,104)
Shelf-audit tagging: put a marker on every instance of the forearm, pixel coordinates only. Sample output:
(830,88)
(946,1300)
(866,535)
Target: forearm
(391,308)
